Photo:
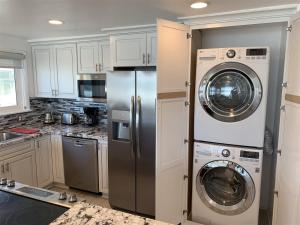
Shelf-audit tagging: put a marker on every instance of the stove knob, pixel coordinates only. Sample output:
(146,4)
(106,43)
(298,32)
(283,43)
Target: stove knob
(72,198)
(225,153)
(231,53)
(62,196)
(11,183)
(3,181)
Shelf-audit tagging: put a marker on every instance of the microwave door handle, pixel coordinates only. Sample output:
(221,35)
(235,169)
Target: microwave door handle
(132,100)
(138,119)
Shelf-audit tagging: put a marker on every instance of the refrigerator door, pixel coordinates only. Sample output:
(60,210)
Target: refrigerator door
(121,154)
(145,141)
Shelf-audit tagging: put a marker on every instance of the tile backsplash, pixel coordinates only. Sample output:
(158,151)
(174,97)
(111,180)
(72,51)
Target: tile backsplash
(39,106)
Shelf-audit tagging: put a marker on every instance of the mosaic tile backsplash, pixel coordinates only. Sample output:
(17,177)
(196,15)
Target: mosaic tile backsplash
(40,106)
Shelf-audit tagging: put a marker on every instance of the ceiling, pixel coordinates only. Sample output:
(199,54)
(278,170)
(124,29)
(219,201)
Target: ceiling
(28,18)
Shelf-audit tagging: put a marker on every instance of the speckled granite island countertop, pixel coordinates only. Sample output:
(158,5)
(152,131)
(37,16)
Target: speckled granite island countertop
(87,214)
(96,132)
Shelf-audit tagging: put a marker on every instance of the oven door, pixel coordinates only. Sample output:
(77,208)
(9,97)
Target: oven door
(92,88)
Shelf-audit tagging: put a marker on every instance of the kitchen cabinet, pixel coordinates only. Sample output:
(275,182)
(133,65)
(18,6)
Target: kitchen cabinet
(44,161)
(130,50)
(54,68)
(21,168)
(57,157)
(103,167)
(93,57)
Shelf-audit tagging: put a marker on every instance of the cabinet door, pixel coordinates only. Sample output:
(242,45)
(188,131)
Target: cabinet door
(88,57)
(104,56)
(171,149)
(43,70)
(57,157)
(128,50)
(65,69)
(43,161)
(151,48)
(22,168)
(287,200)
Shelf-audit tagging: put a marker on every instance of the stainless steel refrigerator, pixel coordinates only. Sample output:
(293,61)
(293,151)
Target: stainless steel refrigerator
(131,98)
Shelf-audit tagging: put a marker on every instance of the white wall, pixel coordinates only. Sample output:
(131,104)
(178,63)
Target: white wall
(19,44)
(274,36)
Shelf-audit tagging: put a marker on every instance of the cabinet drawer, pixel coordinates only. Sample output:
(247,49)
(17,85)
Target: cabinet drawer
(15,149)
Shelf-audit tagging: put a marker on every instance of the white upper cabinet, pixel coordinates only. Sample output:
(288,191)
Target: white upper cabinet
(43,71)
(137,49)
(93,57)
(54,69)
(65,68)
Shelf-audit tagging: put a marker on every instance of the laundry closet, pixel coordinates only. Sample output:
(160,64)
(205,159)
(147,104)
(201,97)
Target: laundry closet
(266,33)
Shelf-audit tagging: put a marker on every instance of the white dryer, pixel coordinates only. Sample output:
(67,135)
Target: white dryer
(226,185)
(231,95)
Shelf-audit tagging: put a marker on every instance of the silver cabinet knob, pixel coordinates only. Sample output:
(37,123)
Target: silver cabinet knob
(11,183)
(62,196)
(3,181)
(72,198)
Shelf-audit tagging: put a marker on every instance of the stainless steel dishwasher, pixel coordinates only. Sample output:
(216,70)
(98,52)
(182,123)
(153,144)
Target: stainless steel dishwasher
(81,163)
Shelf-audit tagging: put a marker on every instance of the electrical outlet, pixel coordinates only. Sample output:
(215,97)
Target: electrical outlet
(20,118)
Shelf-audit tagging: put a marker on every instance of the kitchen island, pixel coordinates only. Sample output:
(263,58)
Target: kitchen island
(87,214)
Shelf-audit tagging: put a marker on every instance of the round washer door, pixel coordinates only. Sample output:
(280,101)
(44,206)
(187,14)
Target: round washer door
(230,92)
(225,187)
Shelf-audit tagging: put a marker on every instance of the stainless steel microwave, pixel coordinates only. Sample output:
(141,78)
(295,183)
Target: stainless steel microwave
(92,87)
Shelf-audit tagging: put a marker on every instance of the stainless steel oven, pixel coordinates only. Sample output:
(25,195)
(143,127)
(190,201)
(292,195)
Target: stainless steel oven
(92,87)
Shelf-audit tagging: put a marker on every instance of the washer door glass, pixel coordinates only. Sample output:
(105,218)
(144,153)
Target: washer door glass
(230,92)
(225,187)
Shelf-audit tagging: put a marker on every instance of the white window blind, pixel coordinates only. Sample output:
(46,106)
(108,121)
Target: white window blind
(11,60)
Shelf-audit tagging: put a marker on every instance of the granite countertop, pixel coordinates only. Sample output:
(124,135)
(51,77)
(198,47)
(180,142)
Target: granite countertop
(87,214)
(78,130)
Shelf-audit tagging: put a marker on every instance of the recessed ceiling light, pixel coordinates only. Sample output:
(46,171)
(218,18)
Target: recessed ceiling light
(55,22)
(199,5)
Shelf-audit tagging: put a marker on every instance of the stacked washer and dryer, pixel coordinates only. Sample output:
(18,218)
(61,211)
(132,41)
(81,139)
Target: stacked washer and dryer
(230,114)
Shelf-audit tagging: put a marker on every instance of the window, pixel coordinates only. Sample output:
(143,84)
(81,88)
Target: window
(8,95)
(13,97)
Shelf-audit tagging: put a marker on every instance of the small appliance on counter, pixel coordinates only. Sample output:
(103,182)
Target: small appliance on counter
(49,119)
(69,119)
(90,116)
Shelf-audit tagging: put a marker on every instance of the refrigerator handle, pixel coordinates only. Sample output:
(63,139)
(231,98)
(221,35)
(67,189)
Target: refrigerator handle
(131,125)
(137,126)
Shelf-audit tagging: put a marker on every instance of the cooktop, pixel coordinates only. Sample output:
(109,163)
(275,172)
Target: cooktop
(20,210)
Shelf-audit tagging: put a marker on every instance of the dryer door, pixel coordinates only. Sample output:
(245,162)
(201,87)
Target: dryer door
(225,187)
(230,92)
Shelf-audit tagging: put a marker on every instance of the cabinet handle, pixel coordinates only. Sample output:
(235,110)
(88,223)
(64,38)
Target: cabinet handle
(52,92)
(148,58)
(38,144)
(2,168)
(100,67)
(96,67)
(7,167)
(144,58)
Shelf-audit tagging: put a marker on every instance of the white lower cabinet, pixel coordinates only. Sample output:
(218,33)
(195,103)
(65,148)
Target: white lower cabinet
(57,157)
(21,168)
(103,167)
(43,161)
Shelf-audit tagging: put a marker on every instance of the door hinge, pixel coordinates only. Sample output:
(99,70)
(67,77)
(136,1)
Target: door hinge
(188,35)
(284,84)
(186,103)
(186,141)
(279,152)
(282,107)
(289,28)
(184,212)
(187,84)
(185,177)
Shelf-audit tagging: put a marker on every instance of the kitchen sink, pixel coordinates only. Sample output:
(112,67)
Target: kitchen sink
(5,136)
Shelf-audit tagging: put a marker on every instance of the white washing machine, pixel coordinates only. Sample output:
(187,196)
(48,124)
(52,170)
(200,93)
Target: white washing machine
(226,184)
(231,95)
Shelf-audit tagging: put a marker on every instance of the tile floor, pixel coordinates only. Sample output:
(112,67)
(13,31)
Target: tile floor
(95,199)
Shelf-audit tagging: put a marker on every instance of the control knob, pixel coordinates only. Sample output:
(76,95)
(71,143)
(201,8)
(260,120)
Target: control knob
(11,183)
(72,198)
(231,53)
(3,181)
(62,196)
(225,153)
